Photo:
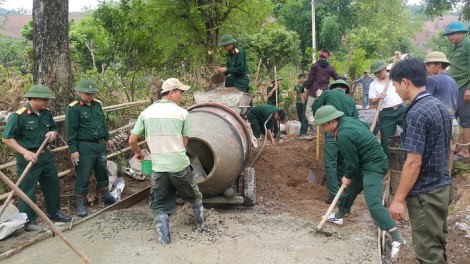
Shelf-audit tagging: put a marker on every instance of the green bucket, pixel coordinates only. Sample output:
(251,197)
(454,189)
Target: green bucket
(147,168)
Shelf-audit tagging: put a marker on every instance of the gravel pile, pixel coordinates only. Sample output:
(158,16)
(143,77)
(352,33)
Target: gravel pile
(368,116)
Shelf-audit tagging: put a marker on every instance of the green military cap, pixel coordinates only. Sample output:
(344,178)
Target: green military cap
(226,39)
(39,91)
(278,78)
(454,27)
(325,114)
(377,66)
(340,83)
(86,86)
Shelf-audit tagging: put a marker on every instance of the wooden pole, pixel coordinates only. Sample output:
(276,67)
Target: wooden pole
(349,59)
(46,219)
(23,175)
(379,105)
(257,71)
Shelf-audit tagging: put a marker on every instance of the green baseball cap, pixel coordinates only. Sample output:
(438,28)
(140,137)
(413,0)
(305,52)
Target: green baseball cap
(86,86)
(278,78)
(39,91)
(325,114)
(340,83)
(377,66)
(226,39)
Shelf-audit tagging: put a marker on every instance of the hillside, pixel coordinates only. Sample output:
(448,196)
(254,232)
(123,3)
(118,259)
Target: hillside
(12,25)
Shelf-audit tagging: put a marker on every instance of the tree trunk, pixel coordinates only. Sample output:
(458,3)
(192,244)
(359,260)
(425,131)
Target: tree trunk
(51,53)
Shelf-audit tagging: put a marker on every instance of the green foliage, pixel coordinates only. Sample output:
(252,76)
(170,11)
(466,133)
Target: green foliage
(419,54)
(275,47)
(436,8)
(330,34)
(459,167)
(12,51)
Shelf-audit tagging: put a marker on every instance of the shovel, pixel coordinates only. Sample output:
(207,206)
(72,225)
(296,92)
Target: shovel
(328,212)
(23,175)
(313,174)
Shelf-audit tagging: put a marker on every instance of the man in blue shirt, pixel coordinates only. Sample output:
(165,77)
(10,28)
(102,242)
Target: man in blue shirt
(425,183)
(444,88)
(366,81)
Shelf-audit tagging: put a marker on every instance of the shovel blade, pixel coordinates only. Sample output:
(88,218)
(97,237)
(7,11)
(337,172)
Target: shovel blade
(311,176)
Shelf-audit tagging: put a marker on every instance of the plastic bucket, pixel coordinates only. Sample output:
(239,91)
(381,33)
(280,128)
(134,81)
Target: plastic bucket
(147,168)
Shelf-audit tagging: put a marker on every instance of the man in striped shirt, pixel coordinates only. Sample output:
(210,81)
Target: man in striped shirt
(166,127)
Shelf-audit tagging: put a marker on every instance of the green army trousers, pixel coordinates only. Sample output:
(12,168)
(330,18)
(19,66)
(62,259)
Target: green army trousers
(166,185)
(335,165)
(303,120)
(388,125)
(92,157)
(239,83)
(428,217)
(371,183)
(43,171)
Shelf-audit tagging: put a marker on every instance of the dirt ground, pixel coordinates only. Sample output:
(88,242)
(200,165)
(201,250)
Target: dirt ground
(277,230)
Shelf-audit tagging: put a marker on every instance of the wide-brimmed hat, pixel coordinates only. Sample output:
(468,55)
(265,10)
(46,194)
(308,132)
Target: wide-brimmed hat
(278,78)
(377,66)
(173,83)
(454,27)
(340,83)
(436,56)
(226,39)
(39,91)
(325,114)
(86,86)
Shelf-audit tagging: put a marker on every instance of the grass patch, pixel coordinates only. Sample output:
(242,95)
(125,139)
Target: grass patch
(459,167)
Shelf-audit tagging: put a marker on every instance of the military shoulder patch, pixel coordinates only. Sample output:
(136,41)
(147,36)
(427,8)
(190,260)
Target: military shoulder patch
(73,103)
(21,110)
(237,50)
(98,101)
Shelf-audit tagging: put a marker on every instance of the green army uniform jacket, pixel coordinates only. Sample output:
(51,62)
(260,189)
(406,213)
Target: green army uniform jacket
(262,113)
(28,128)
(360,148)
(339,99)
(300,90)
(237,65)
(460,62)
(85,122)
(272,100)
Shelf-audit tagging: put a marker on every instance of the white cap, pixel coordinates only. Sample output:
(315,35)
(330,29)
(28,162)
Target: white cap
(173,83)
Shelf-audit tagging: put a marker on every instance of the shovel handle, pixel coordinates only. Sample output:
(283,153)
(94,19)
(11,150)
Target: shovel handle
(23,175)
(318,142)
(332,206)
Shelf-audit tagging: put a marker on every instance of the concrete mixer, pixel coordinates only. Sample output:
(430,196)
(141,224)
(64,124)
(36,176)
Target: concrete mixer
(220,148)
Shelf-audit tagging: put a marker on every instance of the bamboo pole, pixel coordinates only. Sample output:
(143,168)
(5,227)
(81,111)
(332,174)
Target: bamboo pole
(46,219)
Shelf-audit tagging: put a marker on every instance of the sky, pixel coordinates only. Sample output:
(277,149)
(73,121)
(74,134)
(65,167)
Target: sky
(77,5)
(74,5)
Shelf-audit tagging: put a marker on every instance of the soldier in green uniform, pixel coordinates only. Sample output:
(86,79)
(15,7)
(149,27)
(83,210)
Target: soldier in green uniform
(366,165)
(25,131)
(86,133)
(271,92)
(335,164)
(258,116)
(237,70)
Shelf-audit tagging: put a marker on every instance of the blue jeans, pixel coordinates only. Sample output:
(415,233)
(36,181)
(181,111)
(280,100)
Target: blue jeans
(365,101)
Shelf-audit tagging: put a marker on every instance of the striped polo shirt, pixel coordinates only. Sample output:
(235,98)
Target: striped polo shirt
(164,124)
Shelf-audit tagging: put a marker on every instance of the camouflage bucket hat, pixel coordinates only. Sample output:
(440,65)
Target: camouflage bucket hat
(377,66)
(340,83)
(86,86)
(39,91)
(226,39)
(325,114)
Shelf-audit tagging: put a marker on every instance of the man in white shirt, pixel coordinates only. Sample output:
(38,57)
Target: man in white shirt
(392,111)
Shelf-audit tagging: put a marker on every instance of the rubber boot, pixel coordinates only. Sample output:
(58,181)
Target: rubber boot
(163,228)
(313,129)
(198,210)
